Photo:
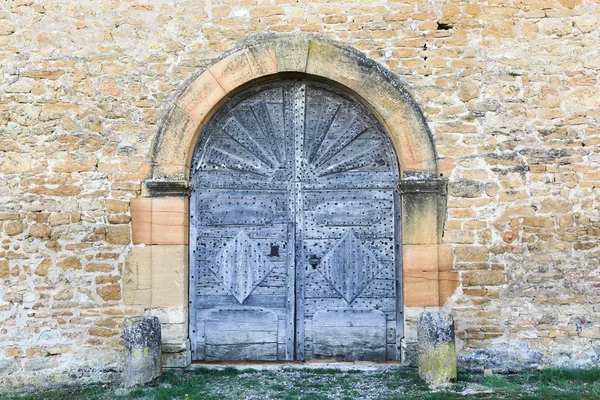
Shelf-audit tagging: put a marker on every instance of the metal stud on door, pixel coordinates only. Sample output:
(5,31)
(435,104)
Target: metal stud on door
(294,229)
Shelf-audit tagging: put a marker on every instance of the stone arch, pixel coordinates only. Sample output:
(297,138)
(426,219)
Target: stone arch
(267,58)
(160,215)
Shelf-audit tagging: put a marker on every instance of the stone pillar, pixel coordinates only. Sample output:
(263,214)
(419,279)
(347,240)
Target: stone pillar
(436,348)
(142,350)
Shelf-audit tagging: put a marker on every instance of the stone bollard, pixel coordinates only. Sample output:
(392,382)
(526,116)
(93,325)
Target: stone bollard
(436,348)
(142,350)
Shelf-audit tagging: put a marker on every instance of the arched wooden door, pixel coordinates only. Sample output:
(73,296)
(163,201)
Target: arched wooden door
(294,246)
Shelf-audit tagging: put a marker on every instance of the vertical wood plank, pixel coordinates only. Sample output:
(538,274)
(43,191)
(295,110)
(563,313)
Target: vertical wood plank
(298,96)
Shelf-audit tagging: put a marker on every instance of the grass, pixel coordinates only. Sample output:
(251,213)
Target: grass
(322,384)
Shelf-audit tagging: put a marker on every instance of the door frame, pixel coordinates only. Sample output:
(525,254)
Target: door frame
(426,263)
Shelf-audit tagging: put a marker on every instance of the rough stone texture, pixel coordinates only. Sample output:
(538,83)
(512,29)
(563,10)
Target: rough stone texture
(509,92)
(436,348)
(142,350)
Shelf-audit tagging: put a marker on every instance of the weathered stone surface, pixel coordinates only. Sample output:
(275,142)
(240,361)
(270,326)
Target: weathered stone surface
(110,292)
(13,228)
(102,332)
(57,219)
(180,359)
(118,235)
(41,231)
(465,188)
(116,206)
(69,263)
(6,28)
(436,348)
(43,268)
(556,206)
(172,277)
(15,163)
(137,277)
(570,3)
(483,278)
(142,350)
(4,269)
(510,94)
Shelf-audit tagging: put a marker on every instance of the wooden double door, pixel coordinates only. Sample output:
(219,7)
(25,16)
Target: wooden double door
(294,235)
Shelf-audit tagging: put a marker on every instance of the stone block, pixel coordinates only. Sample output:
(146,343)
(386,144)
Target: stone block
(467,188)
(202,96)
(420,218)
(141,220)
(177,135)
(420,275)
(138,297)
(423,209)
(448,279)
(142,350)
(137,278)
(472,254)
(174,332)
(180,359)
(436,348)
(570,3)
(176,347)
(171,315)
(339,65)
(41,231)
(483,278)
(448,283)
(4,269)
(15,163)
(262,60)
(411,140)
(13,228)
(291,54)
(109,292)
(170,270)
(176,171)
(118,235)
(233,70)
(71,262)
(445,259)
(170,220)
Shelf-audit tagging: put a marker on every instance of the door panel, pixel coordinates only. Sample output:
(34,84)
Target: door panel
(241,334)
(350,334)
(294,229)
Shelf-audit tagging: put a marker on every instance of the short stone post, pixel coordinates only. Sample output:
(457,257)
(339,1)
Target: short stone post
(142,350)
(436,348)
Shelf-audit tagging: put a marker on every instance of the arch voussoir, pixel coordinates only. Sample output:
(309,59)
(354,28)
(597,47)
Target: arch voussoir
(328,60)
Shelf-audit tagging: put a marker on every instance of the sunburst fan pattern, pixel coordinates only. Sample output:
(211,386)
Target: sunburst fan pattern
(256,138)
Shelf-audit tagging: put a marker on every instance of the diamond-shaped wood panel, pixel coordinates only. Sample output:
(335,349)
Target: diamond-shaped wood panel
(349,267)
(241,266)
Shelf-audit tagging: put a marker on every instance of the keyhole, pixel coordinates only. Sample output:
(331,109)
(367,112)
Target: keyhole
(274,250)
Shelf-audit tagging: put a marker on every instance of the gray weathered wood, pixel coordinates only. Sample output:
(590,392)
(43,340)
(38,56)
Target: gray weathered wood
(294,212)
(349,334)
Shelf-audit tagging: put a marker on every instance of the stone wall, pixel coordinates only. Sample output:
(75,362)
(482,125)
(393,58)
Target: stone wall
(509,90)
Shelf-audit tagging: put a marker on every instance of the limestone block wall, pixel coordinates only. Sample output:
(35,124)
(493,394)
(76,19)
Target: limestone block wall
(509,90)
